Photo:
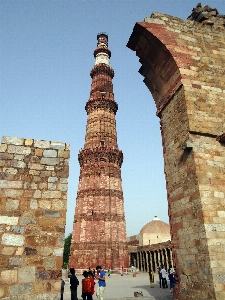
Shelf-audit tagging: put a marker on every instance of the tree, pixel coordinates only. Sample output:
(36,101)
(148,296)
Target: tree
(66,251)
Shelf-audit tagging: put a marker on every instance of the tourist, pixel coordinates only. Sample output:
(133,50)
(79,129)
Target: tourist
(69,274)
(151,278)
(62,289)
(74,282)
(172,280)
(101,282)
(91,276)
(122,271)
(86,286)
(109,272)
(164,281)
(160,276)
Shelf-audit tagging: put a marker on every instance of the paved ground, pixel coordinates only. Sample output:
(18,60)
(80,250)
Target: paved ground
(123,288)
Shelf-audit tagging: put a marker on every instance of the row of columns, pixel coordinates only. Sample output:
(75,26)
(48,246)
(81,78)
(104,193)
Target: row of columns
(146,260)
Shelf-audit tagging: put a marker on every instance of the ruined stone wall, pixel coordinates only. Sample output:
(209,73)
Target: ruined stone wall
(33,195)
(183,66)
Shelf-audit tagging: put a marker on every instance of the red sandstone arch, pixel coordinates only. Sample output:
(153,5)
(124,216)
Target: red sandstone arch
(159,67)
(175,57)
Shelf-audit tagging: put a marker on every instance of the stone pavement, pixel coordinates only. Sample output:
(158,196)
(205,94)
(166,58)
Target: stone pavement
(123,288)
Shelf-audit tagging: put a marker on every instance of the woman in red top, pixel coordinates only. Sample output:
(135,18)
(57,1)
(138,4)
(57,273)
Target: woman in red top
(90,275)
(86,287)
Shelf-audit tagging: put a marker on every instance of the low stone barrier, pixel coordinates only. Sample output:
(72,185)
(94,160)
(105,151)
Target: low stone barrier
(33,193)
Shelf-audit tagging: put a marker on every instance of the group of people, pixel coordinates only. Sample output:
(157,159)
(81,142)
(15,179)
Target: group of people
(88,284)
(163,280)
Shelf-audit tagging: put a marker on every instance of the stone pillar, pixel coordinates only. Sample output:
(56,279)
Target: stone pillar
(144,261)
(170,257)
(33,192)
(147,261)
(161,257)
(138,261)
(141,261)
(165,258)
(183,67)
(152,260)
(156,258)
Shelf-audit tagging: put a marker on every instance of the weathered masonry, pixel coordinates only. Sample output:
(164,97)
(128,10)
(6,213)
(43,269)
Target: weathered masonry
(183,64)
(33,197)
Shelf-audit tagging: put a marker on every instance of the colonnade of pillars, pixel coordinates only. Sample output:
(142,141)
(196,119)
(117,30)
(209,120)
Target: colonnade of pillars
(147,260)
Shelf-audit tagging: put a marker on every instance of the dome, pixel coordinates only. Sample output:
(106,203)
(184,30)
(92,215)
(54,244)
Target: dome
(156,226)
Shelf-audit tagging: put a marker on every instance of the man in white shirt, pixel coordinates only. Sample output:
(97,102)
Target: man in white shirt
(164,281)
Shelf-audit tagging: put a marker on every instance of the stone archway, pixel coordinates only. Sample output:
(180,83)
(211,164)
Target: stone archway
(183,67)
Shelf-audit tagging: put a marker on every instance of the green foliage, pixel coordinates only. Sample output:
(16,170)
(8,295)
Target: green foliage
(66,251)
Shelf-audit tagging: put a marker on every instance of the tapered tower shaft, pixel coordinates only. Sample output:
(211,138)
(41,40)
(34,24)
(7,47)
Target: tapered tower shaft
(99,230)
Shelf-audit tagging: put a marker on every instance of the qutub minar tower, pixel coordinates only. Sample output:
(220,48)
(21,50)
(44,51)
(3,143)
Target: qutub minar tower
(99,229)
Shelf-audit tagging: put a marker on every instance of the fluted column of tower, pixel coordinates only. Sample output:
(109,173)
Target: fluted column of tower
(99,229)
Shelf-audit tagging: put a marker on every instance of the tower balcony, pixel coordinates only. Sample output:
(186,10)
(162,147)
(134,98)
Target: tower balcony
(102,68)
(102,104)
(100,154)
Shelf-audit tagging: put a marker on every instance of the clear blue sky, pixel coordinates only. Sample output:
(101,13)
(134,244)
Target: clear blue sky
(46,57)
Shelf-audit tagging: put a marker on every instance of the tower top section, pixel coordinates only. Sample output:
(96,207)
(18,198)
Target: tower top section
(102,37)
(102,54)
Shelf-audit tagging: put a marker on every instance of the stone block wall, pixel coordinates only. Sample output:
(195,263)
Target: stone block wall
(33,200)
(183,66)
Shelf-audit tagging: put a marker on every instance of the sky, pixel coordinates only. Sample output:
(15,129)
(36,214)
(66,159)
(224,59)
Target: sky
(46,54)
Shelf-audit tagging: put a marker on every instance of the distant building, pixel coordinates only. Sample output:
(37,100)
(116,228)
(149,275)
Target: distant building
(154,232)
(151,247)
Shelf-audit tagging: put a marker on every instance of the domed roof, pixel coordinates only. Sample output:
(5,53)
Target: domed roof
(156,226)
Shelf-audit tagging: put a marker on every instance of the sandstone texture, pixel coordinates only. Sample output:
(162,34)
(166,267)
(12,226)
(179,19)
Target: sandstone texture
(33,195)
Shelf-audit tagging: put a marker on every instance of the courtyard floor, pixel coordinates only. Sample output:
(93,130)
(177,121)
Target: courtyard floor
(123,287)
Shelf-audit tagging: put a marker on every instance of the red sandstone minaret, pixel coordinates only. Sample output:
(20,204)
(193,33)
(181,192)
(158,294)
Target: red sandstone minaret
(99,229)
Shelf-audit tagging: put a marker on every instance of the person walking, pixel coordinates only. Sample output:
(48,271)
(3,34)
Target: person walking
(86,287)
(164,281)
(172,280)
(62,288)
(151,278)
(101,282)
(109,272)
(74,282)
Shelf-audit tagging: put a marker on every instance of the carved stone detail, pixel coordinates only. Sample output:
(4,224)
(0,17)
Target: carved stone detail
(103,154)
(100,192)
(102,49)
(101,103)
(99,217)
(102,69)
